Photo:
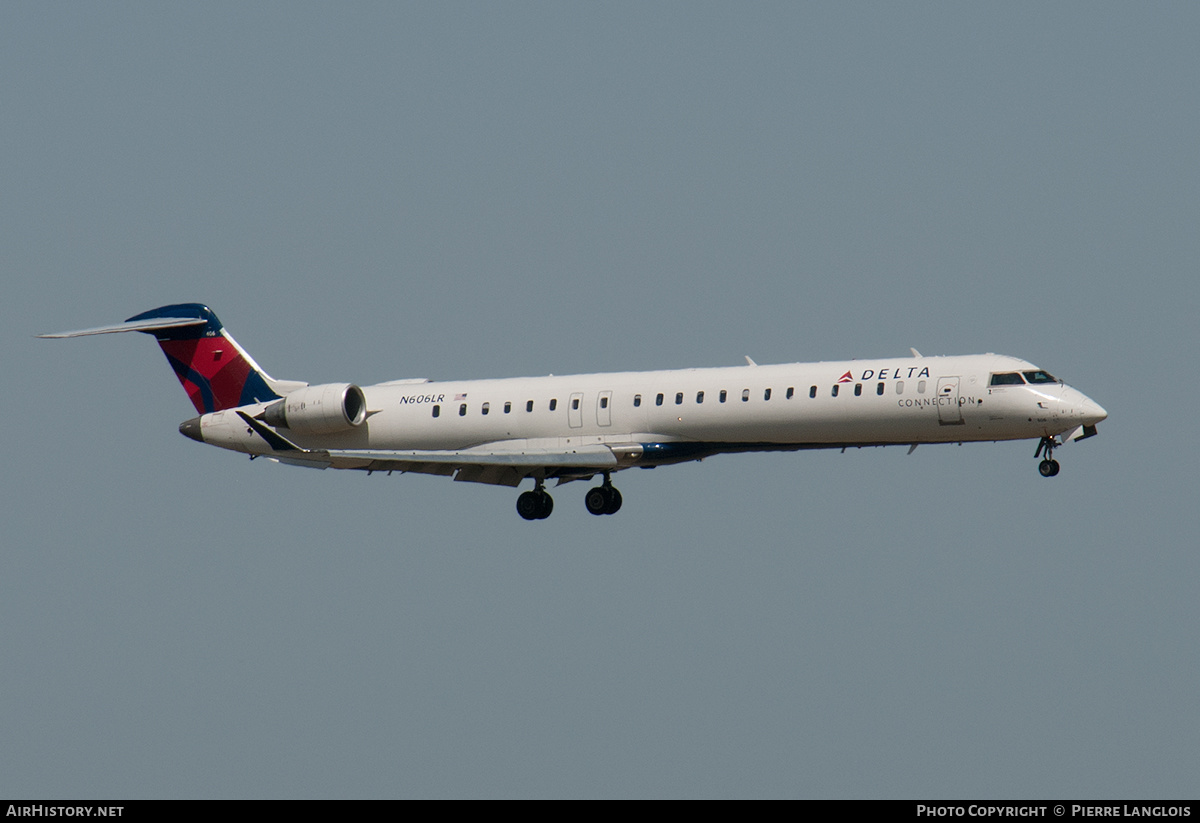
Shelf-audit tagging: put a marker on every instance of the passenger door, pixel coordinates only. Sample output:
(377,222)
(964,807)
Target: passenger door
(949,409)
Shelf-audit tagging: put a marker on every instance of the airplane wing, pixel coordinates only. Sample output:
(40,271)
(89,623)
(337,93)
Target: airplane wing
(498,467)
(495,463)
(595,457)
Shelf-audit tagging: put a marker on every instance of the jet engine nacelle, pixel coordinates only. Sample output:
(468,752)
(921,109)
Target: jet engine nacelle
(324,409)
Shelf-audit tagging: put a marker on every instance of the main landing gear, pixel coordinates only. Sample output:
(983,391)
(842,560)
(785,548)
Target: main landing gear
(1049,466)
(603,499)
(537,504)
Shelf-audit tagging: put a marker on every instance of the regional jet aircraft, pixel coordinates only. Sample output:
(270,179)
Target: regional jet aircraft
(578,427)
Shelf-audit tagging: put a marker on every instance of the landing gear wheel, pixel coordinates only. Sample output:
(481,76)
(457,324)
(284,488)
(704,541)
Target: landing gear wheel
(1049,466)
(535,505)
(614,501)
(603,499)
(596,501)
(529,505)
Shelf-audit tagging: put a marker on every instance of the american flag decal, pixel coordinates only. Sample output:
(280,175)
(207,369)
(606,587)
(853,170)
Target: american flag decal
(462,396)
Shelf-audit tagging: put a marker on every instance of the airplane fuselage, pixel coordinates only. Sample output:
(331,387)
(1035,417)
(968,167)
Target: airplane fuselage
(687,412)
(575,427)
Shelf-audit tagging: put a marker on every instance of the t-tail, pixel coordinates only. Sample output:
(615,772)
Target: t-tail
(215,371)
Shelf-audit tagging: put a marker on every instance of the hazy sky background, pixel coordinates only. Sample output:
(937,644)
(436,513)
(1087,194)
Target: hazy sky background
(366,192)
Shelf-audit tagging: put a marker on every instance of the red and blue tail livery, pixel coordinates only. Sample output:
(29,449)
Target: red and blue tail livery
(215,371)
(572,427)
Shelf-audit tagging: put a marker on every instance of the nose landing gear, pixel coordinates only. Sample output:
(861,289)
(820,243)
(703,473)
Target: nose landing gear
(1049,466)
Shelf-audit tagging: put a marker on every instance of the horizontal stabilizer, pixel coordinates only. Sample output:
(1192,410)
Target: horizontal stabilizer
(147,325)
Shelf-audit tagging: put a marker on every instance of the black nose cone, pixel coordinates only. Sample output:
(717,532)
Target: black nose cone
(191,428)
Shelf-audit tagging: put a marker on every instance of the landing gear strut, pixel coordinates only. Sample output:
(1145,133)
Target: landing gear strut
(1049,466)
(603,499)
(536,504)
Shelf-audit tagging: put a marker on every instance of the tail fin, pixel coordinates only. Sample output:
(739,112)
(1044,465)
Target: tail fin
(215,371)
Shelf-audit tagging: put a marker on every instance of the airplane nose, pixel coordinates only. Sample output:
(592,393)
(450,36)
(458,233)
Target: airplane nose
(1093,412)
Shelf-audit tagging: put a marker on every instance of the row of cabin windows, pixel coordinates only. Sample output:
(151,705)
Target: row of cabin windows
(487,407)
(879,388)
(722,396)
(791,392)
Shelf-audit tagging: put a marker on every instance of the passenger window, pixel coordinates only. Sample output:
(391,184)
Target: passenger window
(899,387)
(722,396)
(791,391)
(678,398)
(699,397)
(637,400)
(529,406)
(462,410)
(745,395)
(858,389)
(879,389)
(812,391)
(658,399)
(553,403)
(604,402)
(507,406)
(575,403)
(1006,379)
(485,408)
(835,388)
(767,394)
(920,387)
(437,410)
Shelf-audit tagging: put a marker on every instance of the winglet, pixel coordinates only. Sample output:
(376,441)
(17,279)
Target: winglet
(749,362)
(914,351)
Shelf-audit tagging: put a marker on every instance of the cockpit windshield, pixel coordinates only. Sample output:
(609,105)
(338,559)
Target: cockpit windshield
(1039,377)
(1011,378)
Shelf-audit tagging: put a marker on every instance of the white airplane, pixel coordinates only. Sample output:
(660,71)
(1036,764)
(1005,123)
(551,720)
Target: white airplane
(576,427)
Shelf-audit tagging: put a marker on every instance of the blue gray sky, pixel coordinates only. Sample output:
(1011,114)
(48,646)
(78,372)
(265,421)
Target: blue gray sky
(374,191)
